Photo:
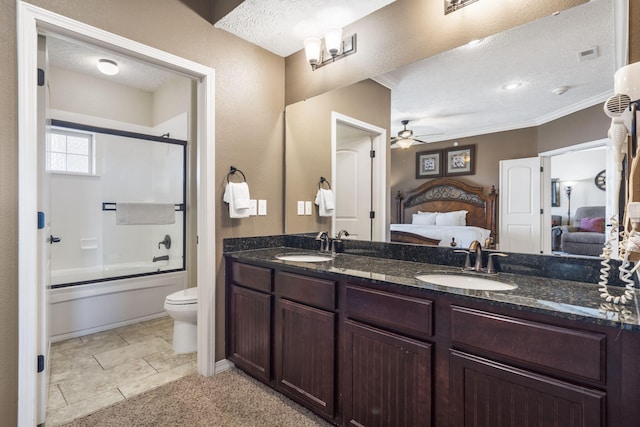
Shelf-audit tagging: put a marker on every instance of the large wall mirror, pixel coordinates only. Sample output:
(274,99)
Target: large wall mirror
(557,113)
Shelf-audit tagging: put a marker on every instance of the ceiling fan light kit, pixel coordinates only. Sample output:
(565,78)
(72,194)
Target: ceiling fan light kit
(453,5)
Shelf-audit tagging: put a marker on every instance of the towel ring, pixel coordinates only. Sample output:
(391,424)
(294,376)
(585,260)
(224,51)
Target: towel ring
(323,180)
(233,170)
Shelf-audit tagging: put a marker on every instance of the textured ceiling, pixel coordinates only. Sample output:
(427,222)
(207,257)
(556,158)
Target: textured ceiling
(83,59)
(280,26)
(461,92)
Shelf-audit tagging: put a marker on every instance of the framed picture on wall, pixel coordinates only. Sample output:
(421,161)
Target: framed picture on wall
(460,160)
(429,164)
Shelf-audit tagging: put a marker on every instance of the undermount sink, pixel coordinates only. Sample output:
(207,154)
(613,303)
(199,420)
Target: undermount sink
(466,282)
(304,257)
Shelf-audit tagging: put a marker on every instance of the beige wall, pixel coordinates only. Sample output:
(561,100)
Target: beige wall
(249,104)
(587,125)
(79,93)
(308,143)
(171,99)
(425,31)
(490,149)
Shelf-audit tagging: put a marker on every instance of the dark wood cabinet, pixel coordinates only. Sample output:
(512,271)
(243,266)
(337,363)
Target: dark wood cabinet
(305,354)
(249,331)
(387,379)
(366,353)
(485,393)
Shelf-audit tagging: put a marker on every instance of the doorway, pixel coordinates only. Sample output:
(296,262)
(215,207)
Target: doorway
(32,22)
(359,171)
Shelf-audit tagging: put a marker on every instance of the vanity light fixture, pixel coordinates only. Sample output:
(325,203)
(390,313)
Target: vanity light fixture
(453,5)
(335,47)
(108,67)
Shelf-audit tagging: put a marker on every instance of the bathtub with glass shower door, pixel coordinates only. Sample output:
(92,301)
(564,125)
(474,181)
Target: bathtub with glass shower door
(118,205)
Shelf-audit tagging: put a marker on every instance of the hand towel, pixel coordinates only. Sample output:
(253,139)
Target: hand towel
(237,196)
(325,202)
(145,213)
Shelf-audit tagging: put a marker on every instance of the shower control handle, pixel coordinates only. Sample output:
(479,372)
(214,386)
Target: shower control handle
(53,239)
(166,242)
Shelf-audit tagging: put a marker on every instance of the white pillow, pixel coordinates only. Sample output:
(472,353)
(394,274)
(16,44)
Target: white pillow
(455,218)
(424,218)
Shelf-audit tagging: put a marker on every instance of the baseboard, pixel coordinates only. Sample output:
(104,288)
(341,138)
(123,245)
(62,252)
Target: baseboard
(223,365)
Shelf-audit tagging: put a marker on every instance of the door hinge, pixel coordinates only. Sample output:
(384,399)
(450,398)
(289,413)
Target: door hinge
(541,211)
(372,153)
(40,363)
(541,168)
(40,220)
(40,77)
(372,214)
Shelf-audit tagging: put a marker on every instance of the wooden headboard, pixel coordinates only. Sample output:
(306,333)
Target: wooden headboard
(447,195)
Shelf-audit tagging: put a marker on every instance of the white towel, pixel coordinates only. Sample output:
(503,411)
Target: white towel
(145,213)
(237,196)
(325,202)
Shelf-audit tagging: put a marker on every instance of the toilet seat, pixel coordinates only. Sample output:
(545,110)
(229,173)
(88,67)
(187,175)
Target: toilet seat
(184,297)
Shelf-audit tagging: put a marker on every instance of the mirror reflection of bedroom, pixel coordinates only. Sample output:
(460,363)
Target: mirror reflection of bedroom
(468,130)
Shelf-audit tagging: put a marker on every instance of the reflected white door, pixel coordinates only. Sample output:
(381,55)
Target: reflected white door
(523,199)
(353,187)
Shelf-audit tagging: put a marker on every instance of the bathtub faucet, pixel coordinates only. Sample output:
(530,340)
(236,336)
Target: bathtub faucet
(161,258)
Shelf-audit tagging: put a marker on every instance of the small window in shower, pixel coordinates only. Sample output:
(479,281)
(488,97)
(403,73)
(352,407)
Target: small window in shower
(71,152)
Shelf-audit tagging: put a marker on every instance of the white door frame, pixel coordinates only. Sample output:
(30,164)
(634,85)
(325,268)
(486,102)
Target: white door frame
(31,21)
(379,169)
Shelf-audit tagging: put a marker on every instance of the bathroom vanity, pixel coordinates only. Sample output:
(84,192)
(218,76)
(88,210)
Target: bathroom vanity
(361,342)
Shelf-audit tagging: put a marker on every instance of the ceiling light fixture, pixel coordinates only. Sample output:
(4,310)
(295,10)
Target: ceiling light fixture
(453,5)
(334,45)
(404,142)
(108,67)
(560,90)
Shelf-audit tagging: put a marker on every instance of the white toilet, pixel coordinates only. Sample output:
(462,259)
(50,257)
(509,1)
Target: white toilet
(182,306)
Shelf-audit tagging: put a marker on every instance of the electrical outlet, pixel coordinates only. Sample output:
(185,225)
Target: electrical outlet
(262,207)
(253,207)
(300,207)
(307,208)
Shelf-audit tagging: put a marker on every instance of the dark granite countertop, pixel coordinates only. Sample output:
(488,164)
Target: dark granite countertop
(555,297)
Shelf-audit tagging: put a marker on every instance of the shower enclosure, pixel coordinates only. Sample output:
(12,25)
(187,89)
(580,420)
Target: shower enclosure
(117,204)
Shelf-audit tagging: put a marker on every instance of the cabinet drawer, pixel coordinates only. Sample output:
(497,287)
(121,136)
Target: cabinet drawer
(579,354)
(408,315)
(258,278)
(308,290)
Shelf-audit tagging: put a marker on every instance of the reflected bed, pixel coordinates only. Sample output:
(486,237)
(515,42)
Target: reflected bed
(446,196)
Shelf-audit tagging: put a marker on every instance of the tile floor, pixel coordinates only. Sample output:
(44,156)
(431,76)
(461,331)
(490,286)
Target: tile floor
(95,371)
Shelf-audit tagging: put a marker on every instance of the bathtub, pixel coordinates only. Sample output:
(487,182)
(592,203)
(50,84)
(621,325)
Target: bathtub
(87,308)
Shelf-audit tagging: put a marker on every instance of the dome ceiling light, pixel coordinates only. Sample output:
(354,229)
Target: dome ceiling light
(108,67)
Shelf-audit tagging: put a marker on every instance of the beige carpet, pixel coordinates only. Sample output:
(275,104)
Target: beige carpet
(229,399)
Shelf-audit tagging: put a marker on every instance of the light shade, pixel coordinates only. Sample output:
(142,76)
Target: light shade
(312,50)
(626,81)
(333,40)
(108,67)
(405,143)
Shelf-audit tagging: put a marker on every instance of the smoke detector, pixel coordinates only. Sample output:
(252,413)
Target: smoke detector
(560,90)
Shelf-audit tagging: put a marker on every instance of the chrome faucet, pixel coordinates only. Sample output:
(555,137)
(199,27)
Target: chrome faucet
(477,247)
(323,237)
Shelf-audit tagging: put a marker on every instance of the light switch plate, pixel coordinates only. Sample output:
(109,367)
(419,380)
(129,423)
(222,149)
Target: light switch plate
(307,208)
(253,207)
(262,207)
(300,207)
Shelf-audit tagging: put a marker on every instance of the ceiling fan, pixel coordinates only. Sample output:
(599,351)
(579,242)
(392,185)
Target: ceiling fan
(405,137)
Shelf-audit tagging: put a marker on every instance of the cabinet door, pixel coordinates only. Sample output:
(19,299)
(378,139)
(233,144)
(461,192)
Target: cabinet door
(250,330)
(304,355)
(487,393)
(387,379)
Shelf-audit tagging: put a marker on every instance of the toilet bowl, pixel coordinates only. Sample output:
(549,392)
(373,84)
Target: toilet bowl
(182,306)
